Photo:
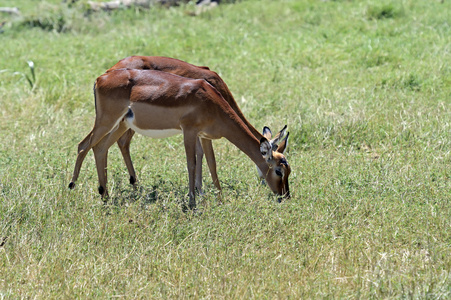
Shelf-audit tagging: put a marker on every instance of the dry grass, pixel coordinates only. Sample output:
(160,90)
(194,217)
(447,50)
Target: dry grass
(365,90)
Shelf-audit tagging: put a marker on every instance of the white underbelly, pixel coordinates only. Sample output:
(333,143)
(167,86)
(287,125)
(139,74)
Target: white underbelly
(158,134)
(153,133)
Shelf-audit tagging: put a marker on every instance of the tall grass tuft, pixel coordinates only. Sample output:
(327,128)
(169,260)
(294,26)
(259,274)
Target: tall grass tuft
(385,11)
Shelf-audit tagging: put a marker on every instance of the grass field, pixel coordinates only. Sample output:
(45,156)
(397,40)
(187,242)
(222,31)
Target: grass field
(365,89)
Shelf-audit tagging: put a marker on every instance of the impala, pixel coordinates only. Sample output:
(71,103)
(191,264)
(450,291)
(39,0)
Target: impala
(178,67)
(160,104)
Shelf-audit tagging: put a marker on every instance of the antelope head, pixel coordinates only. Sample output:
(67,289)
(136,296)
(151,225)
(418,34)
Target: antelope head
(272,151)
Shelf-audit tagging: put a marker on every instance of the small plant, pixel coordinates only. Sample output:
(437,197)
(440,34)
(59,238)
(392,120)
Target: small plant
(31,80)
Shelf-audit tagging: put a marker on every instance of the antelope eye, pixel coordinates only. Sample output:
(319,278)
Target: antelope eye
(278,173)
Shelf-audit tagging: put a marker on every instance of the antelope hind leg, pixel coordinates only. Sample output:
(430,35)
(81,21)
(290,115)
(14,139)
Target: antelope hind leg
(124,145)
(101,156)
(96,134)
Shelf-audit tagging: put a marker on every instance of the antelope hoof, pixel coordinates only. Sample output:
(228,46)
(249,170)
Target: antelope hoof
(200,192)
(71,185)
(101,191)
(190,207)
(132,180)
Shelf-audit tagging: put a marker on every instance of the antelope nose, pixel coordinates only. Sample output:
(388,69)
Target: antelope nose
(286,196)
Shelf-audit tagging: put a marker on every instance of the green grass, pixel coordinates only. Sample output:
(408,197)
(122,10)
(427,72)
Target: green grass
(365,88)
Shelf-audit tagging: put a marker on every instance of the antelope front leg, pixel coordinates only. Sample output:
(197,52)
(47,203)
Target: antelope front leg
(211,161)
(190,139)
(199,157)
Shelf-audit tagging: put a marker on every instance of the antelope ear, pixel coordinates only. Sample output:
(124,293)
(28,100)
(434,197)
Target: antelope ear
(265,149)
(279,135)
(267,133)
(283,145)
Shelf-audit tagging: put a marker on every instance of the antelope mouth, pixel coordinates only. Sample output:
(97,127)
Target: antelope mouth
(285,196)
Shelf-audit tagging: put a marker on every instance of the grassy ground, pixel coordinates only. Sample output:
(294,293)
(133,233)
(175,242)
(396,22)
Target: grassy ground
(365,88)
